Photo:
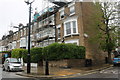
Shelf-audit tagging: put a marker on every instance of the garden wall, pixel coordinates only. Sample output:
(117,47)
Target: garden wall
(68,63)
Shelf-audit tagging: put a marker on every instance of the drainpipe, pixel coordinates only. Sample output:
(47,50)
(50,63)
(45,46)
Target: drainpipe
(55,28)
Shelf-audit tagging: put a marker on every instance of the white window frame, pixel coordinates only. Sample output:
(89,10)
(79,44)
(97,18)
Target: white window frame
(71,27)
(21,33)
(70,6)
(23,42)
(73,41)
(58,27)
(25,31)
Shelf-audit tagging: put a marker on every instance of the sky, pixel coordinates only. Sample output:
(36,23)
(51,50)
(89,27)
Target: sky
(13,12)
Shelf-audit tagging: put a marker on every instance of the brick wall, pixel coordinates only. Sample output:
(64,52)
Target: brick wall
(90,27)
(69,63)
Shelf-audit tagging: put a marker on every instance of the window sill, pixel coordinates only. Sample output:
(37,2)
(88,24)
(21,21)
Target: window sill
(74,34)
(59,38)
(72,14)
(61,18)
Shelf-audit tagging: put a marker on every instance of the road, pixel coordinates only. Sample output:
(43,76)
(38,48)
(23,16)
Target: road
(12,76)
(112,73)
(108,74)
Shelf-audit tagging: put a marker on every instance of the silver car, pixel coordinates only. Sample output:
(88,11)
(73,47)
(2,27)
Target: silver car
(12,64)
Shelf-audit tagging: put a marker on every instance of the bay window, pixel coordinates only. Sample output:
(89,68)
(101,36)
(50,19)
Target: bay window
(70,28)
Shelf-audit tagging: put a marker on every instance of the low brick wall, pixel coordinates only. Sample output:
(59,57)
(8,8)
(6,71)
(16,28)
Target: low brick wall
(68,63)
(59,63)
(76,62)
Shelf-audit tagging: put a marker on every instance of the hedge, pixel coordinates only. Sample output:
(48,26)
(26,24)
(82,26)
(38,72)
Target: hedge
(54,51)
(19,53)
(58,51)
(36,54)
(6,52)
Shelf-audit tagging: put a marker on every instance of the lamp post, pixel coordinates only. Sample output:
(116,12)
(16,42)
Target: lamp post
(29,2)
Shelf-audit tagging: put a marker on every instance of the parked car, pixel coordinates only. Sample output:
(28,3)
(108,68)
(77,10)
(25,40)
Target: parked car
(116,60)
(12,64)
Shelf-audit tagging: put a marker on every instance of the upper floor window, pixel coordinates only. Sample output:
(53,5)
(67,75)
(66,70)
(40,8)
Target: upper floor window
(40,24)
(35,24)
(21,32)
(59,35)
(72,10)
(24,31)
(70,28)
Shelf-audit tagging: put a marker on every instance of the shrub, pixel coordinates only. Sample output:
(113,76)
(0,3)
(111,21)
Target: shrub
(36,54)
(58,51)
(20,53)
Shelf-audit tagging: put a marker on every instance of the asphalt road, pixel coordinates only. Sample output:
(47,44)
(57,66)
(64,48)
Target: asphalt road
(113,72)
(12,76)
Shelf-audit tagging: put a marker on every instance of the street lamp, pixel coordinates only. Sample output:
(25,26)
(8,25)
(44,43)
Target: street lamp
(29,2)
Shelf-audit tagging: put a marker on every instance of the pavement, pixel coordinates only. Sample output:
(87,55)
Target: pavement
(55,72)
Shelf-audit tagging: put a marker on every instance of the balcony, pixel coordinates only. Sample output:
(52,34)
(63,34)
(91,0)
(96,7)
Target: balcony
(45,34)
(47,12)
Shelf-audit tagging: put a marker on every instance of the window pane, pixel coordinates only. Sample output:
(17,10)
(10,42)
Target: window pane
(74,26)
(68,28)
(59,33)
(72,9)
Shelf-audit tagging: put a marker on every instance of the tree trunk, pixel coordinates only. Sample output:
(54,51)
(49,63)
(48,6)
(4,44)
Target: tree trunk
(109,58)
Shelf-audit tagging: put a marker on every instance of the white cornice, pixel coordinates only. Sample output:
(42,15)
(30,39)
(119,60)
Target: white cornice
(71,4)
(61,9)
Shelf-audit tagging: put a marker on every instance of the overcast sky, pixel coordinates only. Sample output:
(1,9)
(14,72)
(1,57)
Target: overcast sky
(13,12)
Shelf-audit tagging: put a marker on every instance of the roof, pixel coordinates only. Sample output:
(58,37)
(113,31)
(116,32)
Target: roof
(61,4)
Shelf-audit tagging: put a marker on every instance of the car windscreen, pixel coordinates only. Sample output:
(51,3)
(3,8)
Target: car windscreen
(14,60)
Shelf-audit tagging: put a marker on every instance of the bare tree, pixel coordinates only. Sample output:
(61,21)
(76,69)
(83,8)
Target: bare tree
(108,27)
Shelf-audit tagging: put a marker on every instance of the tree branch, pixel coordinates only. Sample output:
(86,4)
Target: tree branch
(101,28)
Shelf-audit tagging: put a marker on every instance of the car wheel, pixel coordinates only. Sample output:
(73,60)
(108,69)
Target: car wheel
(3,68)
(8,69)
